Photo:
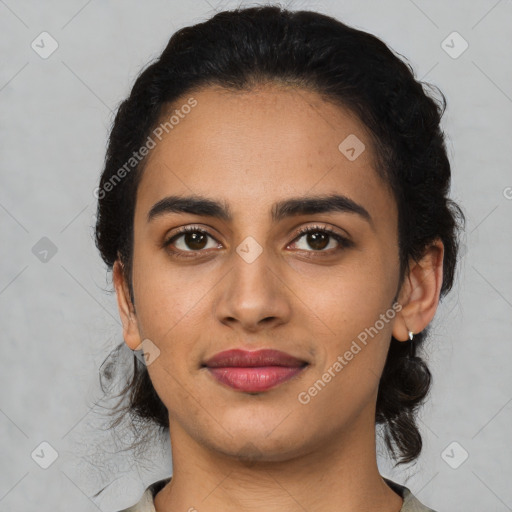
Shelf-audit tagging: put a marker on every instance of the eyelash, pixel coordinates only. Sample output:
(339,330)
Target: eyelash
(343,242)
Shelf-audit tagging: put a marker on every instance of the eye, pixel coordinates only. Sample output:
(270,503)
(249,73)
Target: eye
(189,239)
(319,239)
(193,239)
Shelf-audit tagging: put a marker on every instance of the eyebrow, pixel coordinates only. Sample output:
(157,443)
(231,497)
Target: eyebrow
(198,205)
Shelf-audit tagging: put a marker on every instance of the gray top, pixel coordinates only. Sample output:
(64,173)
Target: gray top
(146,503)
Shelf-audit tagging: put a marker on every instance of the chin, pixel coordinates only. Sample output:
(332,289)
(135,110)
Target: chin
(275,438)
(260,450)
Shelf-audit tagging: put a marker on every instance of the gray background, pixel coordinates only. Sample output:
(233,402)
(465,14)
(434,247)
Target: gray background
(59,322)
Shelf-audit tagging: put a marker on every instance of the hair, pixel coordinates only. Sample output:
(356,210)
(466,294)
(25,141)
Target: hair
(243,48)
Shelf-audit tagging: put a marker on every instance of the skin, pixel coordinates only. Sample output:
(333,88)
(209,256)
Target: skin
(236,451)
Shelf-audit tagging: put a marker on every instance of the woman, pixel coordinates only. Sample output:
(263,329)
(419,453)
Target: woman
(274,209)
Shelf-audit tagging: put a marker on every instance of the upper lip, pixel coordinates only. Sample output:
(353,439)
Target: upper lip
(245,358)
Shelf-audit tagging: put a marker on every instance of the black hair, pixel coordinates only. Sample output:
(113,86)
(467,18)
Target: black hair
(243,48)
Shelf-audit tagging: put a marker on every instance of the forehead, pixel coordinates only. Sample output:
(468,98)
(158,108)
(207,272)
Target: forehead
(252,148)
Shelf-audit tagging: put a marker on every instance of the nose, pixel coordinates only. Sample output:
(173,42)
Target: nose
(253,296)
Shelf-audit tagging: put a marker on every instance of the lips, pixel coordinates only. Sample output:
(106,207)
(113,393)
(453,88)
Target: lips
(253,371)
(247,359)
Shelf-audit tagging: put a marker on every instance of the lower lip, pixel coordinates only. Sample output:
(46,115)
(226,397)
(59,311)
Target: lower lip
(254,379)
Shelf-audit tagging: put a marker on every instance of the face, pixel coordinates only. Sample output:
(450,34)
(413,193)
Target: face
(251,280)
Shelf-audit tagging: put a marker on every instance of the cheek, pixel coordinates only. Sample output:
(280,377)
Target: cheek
(355,295)
(166,298)
(358,309)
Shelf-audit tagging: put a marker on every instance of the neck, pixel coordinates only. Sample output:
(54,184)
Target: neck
(340,474)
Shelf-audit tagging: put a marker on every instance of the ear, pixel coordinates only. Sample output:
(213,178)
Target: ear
(131,333)
(420,292)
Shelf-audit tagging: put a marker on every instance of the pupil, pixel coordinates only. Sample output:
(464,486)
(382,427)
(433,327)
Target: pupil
(193,240)
(314,238)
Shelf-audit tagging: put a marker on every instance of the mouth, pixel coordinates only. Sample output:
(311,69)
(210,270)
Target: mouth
(254,371)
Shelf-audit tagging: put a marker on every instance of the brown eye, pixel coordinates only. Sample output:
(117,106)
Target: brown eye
(189,239)
(195,241)
(320,238)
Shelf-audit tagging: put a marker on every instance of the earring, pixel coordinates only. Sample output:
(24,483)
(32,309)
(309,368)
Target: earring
(412,346)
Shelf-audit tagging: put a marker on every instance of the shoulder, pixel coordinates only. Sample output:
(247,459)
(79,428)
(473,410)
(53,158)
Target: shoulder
(146,502)
(411,503)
